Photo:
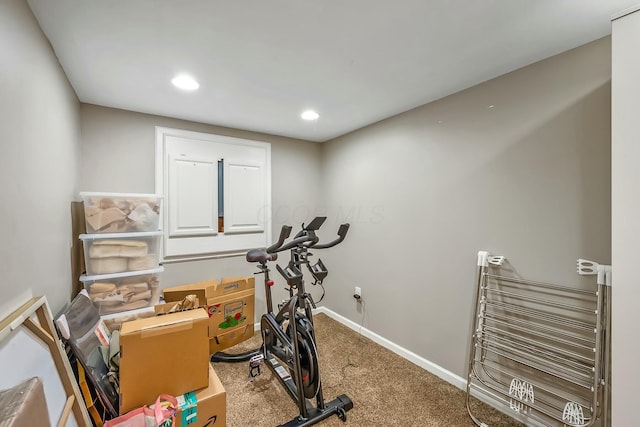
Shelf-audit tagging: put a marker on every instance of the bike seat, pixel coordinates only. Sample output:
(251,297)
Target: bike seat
(261,255)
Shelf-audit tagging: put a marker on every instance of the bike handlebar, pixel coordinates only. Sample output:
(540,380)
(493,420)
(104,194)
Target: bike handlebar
(285,231)
(342,233)
(306,237)
(299,241)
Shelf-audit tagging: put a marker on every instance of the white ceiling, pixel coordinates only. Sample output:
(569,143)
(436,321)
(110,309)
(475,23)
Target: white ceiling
(260,63)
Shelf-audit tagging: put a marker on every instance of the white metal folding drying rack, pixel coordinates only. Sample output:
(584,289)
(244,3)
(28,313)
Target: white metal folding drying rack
(539,350)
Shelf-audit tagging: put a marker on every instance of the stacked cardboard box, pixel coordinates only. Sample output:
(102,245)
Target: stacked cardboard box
(169,354)
(229,305)
(205,407)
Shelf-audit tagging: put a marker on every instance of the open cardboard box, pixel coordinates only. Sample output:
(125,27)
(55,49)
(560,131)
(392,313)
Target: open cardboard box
(230,305)
(209,288)
(163,354)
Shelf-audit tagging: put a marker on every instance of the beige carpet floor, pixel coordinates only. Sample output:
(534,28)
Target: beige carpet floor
(386,389)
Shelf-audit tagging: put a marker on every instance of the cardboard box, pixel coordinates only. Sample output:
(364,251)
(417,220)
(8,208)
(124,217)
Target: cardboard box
(163,354)
(206,407)
(202,290)
(209,288)
(230,305)
(24,405)
(182,305)
(231,319)
(224,340)
(235,284)
(77,253)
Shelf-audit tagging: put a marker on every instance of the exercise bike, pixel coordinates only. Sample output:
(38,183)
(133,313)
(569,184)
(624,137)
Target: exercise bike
(288,336)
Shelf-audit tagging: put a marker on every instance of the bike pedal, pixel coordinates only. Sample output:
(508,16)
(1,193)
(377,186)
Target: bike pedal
(254,366)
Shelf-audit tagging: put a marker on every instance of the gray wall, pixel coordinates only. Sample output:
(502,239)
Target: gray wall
(426,190)
(118,149)
(40,152)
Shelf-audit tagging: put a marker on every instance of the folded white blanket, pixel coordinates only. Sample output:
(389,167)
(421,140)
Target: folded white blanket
(142,263)
(118,248)
(107,265)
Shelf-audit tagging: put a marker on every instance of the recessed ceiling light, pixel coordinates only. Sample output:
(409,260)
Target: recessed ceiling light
(310,115)
(185,82)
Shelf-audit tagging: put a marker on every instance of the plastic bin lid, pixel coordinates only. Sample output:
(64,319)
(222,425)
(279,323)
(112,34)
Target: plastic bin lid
(85,278)
(122,195)
(120,235)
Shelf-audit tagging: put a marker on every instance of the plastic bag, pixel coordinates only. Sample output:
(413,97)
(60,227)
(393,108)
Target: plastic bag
(160,414)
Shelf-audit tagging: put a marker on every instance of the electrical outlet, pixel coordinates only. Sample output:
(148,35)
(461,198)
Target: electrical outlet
(358,293)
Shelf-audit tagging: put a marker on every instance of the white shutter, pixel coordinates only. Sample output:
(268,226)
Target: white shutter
(192,196)
(244,197)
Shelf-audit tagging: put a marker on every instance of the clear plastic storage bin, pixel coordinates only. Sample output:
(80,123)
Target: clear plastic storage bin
(114,293)
(118,253)
(121,212)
